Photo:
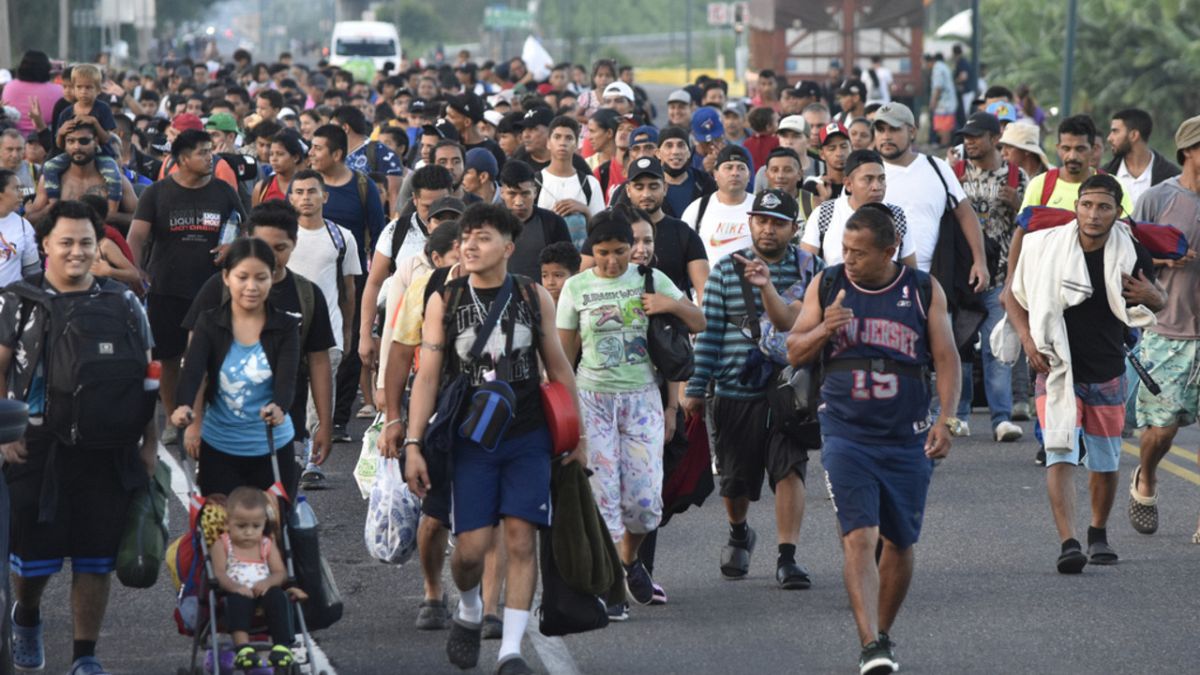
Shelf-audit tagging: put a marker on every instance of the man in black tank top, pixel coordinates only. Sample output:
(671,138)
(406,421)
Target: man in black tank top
(875,329)
(512,479)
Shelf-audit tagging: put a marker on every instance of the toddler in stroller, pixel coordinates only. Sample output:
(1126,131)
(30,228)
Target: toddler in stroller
(249,568)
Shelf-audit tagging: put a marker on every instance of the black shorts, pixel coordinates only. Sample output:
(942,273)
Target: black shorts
(166,314)
(436,504)
(221,472)
(89,516)
(747,448)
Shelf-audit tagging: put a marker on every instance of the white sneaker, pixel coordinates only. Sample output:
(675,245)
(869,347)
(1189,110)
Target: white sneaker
(1007,432)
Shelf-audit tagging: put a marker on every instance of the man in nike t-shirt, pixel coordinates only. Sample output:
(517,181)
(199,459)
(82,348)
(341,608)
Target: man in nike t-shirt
(721,218)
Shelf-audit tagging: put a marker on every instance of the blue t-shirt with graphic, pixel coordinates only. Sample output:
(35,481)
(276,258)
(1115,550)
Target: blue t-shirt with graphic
(231,422)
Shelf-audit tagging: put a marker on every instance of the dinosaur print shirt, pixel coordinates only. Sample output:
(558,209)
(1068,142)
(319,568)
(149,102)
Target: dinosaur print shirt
(612,323)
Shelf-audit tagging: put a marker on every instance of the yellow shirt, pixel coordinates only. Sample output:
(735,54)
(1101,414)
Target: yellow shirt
(411,313)
(1064,195)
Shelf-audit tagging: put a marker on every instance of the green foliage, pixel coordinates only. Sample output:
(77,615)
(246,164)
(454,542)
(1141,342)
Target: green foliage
(1127,53)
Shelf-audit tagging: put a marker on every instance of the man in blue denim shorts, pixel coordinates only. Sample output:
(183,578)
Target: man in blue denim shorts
(1172,347)
(883,326)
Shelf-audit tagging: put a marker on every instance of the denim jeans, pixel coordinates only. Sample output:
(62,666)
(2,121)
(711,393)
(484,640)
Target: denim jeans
(997,377)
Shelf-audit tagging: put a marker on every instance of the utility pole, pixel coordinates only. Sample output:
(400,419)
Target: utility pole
(688,29)
(1069,61)
(64,28)
(5,37)
(976,39)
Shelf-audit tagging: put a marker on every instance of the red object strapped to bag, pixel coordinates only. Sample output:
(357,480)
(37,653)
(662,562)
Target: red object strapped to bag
(562,417)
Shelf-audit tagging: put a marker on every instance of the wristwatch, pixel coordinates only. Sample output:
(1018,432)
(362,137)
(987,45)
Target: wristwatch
(413,441)
(955,425)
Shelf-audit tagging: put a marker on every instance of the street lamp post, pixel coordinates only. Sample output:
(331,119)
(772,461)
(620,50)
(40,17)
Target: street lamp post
(1069,60)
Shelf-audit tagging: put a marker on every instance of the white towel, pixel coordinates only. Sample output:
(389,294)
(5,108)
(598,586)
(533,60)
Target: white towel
(1051,275)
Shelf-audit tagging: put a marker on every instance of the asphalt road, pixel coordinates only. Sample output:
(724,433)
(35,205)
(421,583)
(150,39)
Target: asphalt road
(985,598)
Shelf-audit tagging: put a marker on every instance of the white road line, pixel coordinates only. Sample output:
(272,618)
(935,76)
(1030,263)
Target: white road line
(179,483)
(318,660)
(553,652)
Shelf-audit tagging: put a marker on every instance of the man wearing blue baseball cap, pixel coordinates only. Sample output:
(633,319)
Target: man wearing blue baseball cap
(708,135)
(479,176)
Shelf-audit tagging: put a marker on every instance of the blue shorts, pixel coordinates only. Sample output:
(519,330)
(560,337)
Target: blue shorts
(512,481)
(878,486)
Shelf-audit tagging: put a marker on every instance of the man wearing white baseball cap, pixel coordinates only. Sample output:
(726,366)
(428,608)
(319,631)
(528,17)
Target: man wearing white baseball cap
(619,96)
(793,133)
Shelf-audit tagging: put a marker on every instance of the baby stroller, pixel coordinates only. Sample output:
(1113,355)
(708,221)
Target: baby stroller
(200,597)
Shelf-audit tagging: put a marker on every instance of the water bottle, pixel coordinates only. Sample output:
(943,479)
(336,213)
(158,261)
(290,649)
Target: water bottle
(230,229)
(305,518)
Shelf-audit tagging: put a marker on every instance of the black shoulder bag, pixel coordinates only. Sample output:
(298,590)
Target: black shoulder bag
(667,340)
(439,435)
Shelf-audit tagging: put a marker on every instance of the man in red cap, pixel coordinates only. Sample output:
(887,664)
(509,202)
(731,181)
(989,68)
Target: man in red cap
(834,142)
(185,122)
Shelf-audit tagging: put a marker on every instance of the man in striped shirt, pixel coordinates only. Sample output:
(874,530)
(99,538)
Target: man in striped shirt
(747,441)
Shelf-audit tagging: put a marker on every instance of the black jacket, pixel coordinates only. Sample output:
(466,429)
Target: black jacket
(211,339)
(1160,170)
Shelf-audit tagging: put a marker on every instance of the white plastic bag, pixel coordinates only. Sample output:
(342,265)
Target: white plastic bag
(393,514)
(368,459)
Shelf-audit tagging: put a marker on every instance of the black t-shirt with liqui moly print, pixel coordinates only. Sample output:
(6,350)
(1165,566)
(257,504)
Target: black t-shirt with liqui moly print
(185,226)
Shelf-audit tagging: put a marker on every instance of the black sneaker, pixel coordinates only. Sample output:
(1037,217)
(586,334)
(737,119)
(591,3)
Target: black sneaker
(1040,458)
(341,434)
(638,583)
(618,612)
(877,658)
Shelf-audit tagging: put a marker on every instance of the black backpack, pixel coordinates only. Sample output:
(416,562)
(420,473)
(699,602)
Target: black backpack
(95,365)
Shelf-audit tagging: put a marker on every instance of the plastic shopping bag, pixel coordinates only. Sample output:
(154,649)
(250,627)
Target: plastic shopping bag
(368,459)
(393,513)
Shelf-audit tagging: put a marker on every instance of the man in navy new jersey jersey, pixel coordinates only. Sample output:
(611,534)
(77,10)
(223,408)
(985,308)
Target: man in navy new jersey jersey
(877,326)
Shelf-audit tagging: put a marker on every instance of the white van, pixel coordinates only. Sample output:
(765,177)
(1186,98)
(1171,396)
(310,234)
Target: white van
(375,40)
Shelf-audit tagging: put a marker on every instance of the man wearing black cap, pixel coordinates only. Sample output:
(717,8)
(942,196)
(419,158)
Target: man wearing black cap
(685,184)
(852,98)
(748,442)
(995,189)
(535,136)
(796,99)
(464,112)
(678,251)
(721,218)
(866,183)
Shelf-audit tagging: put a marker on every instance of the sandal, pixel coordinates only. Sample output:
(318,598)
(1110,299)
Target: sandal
(1143,511)
(368,411)
(1196,537)
(735,556)
(462,647)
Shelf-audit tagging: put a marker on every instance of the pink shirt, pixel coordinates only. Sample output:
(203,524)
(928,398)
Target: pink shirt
(18,92)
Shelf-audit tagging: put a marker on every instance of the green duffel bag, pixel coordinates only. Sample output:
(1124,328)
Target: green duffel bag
(145,538)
